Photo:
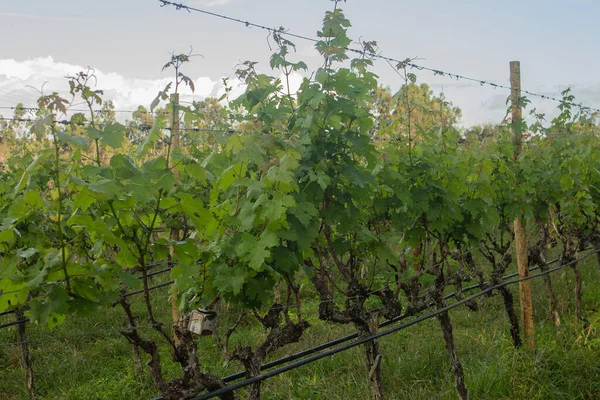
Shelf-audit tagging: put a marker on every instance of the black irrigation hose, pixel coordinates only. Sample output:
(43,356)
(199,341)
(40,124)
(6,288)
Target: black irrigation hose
(319,356)
(21,321)
(530,270)
(157,263)
(6,313)
(149,289)
(327,345)
(301,354)
(316,349)
(162,271)
(358,342)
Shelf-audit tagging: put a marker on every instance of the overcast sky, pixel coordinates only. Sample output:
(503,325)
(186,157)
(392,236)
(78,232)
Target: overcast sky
(128,41)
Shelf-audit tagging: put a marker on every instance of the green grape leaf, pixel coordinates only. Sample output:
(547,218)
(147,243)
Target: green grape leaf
(230,278)
(113,135)
(77,141)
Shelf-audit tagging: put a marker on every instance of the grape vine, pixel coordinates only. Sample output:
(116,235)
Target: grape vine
(335,193)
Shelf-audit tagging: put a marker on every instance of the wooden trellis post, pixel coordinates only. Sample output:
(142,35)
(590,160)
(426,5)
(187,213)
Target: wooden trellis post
(520,234)
(175,234)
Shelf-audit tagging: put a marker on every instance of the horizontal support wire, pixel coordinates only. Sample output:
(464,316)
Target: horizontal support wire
(292,356)
(164,284)
(400,63)
(130,126)
(97,111)
(149,267)
(152,265)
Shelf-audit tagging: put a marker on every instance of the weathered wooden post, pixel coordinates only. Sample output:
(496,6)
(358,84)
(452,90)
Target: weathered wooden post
(520,234)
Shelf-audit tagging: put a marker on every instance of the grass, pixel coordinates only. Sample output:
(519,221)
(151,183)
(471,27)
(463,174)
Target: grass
(70,363)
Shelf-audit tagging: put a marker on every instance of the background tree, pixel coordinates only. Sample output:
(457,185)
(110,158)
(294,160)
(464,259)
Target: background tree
(139,125)
(412,110)
(480,134)
(106,114)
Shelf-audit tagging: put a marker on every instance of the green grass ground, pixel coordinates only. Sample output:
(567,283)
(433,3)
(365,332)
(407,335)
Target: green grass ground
(72,364)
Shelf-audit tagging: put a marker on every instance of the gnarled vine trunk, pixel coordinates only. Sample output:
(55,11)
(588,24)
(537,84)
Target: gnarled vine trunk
(512,316)
(552,300)
(25,356)
(578,296)
(446,325)
(537,256)
(373,360)
(569,255)
(366,322)
(499,268)
(184,352)
(279,335)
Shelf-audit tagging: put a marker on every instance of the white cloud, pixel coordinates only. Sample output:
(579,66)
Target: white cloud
(21,81)
(19,78)
(29,69)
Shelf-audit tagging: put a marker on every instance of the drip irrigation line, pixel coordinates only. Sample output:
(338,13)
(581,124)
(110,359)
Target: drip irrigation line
(324,346)
(162,271)
(158,263)
(13,323)
(335,342)
(378,335)
(149,267)
(149,289)
(532,269)
(304,353)
(400,63)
